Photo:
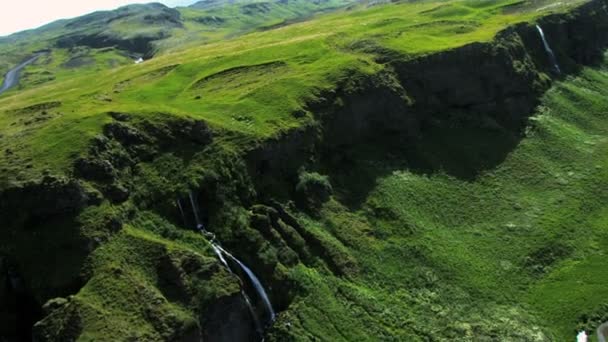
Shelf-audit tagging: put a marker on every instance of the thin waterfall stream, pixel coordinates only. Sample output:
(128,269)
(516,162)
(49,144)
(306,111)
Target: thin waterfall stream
(222,254)
(256,284)
(550,52)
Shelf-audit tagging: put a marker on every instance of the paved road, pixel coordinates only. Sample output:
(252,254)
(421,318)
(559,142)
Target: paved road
(11,78)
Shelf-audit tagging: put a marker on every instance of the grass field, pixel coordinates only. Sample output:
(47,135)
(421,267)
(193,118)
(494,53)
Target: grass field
(515,252)
(315,56)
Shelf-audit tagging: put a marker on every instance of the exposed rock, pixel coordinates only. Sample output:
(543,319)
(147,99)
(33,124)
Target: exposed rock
(63,323)
(199,132)
(228,320)
(49,196)
(125,134)
(277,160)
(116,192)
(123,117)
(339,261)
(141,44)
(312,190)
(54,304)
(95,169)
(210,20)
(40,107)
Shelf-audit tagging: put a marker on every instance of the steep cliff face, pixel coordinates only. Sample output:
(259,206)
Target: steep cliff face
(486,87)
(491,88)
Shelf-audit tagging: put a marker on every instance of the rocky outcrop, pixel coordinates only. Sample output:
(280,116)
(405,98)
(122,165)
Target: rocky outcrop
(156,17)
(274,162)
(502,80)
(141,44)
(228,320)
(578,37)
(39,199)
(126,142)
(498,79)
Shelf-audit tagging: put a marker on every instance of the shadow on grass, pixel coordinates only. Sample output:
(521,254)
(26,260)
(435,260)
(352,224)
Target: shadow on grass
(461,152)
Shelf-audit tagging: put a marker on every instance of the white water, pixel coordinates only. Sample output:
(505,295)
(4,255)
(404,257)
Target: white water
(258,326)
(181,210)
(549,50)
(195,211)
(581,337)
(256,284)
(220,252)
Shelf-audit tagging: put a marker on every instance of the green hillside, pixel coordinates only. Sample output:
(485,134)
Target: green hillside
(107,40)
(400,171)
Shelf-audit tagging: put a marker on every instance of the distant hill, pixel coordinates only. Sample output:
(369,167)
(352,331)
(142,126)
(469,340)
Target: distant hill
(208,4)
(107,39)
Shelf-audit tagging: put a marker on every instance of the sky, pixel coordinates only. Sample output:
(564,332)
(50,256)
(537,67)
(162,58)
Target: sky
(19,15)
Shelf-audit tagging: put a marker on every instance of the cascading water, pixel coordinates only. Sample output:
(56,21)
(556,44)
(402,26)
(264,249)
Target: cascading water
(256,284)
(258,326)
(195,211)
(548,49)
(220,252)
(181,211)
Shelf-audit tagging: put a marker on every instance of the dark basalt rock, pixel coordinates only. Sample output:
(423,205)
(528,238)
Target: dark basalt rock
(198,132)
(178,132)
(123,117)
(210,20)
(95,169)
(63,322)
(312,191)
(194,131)
(125,134)
(117,193)
(256,8)
(54,304)
(228,320)
(50,196)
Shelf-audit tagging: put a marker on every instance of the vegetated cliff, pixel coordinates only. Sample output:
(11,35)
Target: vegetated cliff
(126,271)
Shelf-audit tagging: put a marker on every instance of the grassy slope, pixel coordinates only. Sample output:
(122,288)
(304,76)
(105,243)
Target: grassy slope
(439,256)
(188,27)
(313,56)
(131,296)
(517,254)
(228,21)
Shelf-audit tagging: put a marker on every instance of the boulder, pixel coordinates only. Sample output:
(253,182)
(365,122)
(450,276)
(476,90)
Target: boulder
(125,134)
(95,169)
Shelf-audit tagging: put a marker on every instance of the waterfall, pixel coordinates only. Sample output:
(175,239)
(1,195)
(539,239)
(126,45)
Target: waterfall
(582,337)
(256,284)
(258,326)
(220,252)
(195,211)
(549,50)
(254,315)
(220,256)
(181,210)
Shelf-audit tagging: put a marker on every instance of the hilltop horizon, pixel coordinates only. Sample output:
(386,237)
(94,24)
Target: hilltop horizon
(43,14)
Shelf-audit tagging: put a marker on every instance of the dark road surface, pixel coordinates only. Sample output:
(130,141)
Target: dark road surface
(11,78)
